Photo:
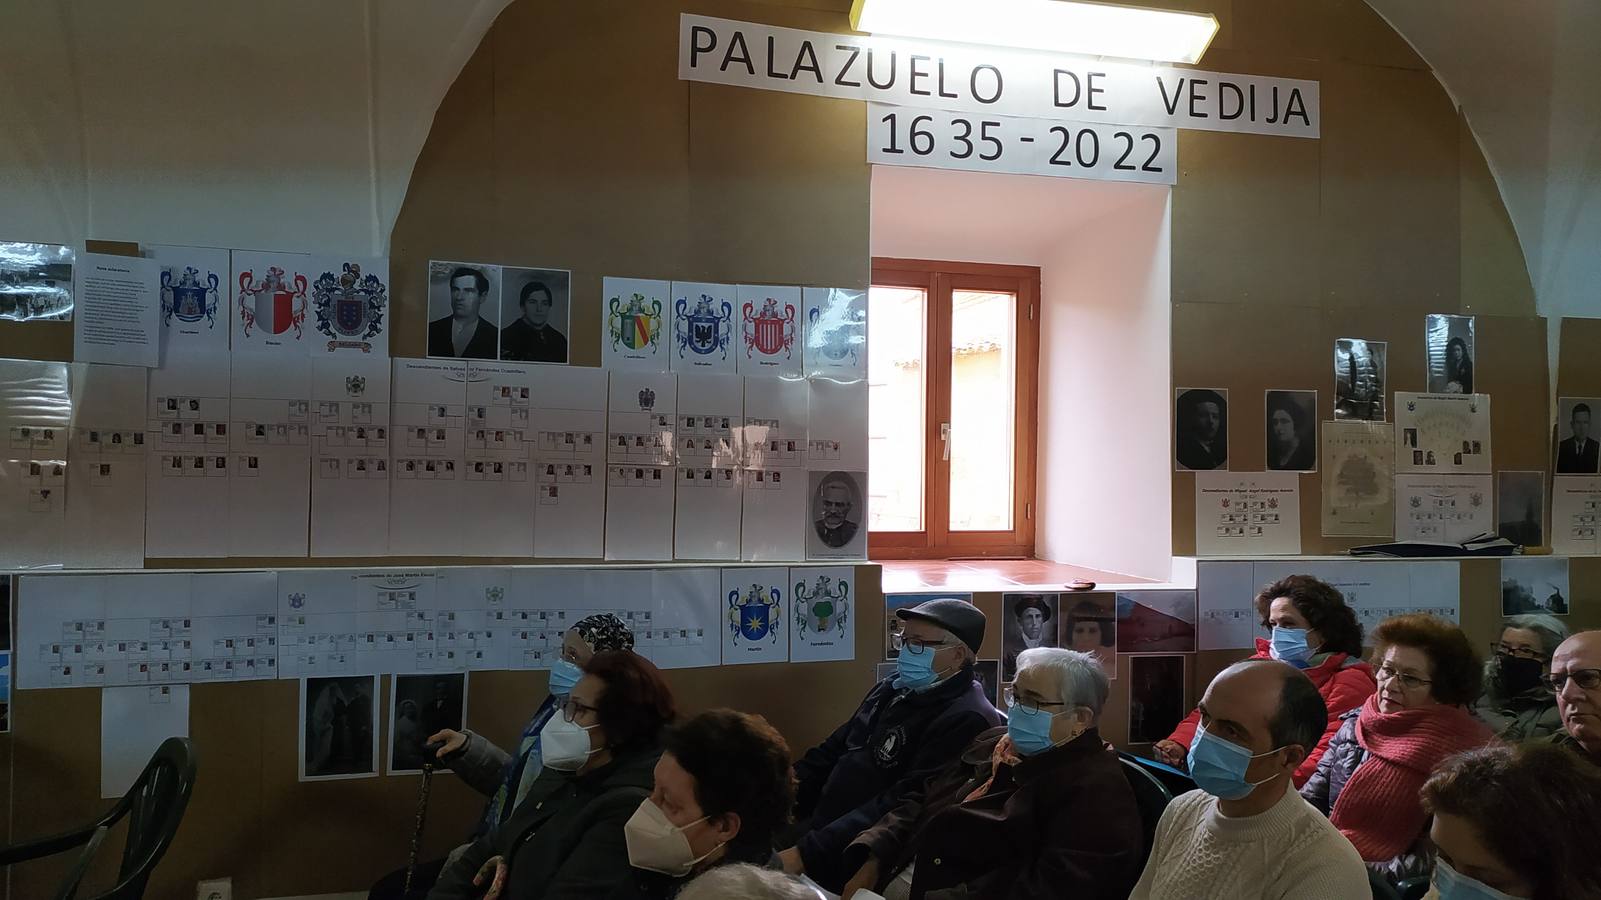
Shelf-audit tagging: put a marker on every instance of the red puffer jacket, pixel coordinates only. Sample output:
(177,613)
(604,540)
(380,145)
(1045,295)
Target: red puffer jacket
(1345,685)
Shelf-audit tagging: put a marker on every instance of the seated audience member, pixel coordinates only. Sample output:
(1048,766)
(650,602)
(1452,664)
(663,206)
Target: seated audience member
(1315,631)
(747,882)
(907,729)
(1516,703)
(723,789)
(1091,630)
(1246,834)
(1576,680)
(1515,821)
(1368,781)
(565,840)
(1053,817)
(498,775)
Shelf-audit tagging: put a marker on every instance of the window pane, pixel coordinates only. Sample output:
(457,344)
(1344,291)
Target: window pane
(983,386)
(896,375)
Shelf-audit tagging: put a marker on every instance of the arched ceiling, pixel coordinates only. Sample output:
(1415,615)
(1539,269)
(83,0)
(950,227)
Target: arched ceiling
(1525,76)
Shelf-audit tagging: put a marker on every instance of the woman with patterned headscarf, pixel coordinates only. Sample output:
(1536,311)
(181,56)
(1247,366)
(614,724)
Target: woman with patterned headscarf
(504,777)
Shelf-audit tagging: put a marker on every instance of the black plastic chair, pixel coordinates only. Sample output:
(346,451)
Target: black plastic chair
(1382,890)
(1413,888)
(1151,798)
(154,807)
(1177,783)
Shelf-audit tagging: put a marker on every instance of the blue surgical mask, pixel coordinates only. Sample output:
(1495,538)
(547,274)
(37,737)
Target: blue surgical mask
(916,670)
(1030,729)
(1218,766)
(563,676)
(1453,885)
(1289,645)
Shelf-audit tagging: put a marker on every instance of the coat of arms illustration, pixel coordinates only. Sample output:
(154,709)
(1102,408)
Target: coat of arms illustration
(647,400)
(634,326)
(824,607)
(706,329)
(836,341)
(355,385)
(191,299)
(754,614)
(272,304)
(350,307)
(768,331)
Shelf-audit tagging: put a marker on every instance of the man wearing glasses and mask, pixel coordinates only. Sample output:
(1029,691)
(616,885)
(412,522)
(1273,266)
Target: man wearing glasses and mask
(906,730)
(1576,680)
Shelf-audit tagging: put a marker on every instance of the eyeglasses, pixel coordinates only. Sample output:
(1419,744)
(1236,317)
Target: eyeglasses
(1408,681)
(916,646)
(1587,679)
(572,708)
(1519,652)
(1015,702)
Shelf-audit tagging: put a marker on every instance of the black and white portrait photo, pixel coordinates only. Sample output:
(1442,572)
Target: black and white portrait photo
(463,310)
(338,727)
(419,706)
(1089,625)
(1359,373)
(1156,697)
(1577,450)
(1201,429)
(1027,621)
(1292,431)
(1450,354)
(534,310)
(1520,508)
(838,505)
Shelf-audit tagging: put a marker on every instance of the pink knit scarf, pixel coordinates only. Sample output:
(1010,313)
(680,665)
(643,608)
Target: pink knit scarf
(1379,810)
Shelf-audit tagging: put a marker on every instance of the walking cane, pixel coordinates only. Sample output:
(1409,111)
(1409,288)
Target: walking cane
(422,819)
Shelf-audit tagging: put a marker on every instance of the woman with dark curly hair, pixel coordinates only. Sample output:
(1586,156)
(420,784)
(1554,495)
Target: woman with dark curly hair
(1368,780)
(723,790)
(1317,633)
(1458,367)
(1515,821)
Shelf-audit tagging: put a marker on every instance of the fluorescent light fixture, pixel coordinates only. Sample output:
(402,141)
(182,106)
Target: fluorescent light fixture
(1060,26)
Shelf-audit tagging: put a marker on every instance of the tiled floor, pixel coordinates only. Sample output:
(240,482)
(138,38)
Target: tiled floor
(905,576)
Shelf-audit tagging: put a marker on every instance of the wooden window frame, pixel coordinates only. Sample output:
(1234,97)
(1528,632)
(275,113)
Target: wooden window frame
(939,278)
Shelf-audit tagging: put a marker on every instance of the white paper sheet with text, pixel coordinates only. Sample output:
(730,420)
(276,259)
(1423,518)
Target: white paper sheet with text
(427,456)
(640,419)
(837,435)
(569,463)
(186,479)
(134,721)
(105,512)
(685,630)
(1247,513)
(118,319)
(1576,515)
(1445,509)
(497,486)
(350,473)
(269,476)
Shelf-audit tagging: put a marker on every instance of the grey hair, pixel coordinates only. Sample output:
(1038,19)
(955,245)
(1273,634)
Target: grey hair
(1551,631)
(747,881)
(1083,681)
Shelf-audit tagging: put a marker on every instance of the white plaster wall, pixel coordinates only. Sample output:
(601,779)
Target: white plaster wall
(285,125)
(1105,498)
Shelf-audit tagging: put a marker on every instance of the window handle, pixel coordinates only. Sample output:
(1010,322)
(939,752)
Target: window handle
(945,437)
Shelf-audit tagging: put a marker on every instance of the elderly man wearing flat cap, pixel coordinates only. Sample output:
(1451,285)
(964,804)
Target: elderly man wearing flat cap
(906,730)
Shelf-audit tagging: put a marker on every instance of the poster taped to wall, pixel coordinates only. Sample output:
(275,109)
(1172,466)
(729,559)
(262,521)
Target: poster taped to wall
(535,311)
(1450,354)
(1201,429)
(1442,433)
(420,706)
(634,324)
(1247,513)
(756,626)
(195,294)
(1520,508)
(1576,515)
(338,727)
(703,328)
(836,332)
(36,282)
(1291,430)
(1578,452)
(1358,479)
(271,303)
(1446,509)
(1360,379)
(350,303)
(824,601)
(1089,625)
(838,502)
(1534,584)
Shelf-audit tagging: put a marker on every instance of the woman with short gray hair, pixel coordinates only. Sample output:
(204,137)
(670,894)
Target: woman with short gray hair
(1516,704)
(1047,813)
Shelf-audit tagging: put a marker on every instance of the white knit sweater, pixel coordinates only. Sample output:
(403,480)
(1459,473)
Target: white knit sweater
(1290,852)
